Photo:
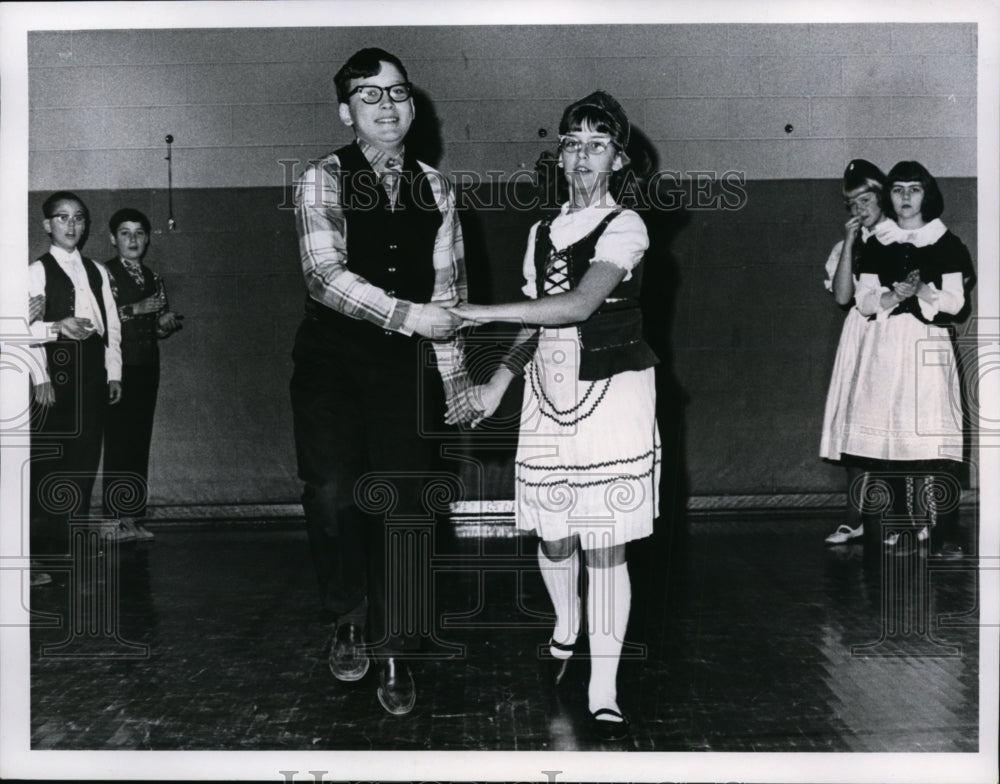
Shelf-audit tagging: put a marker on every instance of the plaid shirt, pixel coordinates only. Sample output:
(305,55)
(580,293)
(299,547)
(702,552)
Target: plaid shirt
(322,229)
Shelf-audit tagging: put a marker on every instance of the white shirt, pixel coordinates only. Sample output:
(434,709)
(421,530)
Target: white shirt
(622,243)
(85,306)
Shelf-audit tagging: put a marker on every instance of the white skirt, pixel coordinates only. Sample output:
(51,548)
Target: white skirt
(841,381)
(905,402)
(588,455)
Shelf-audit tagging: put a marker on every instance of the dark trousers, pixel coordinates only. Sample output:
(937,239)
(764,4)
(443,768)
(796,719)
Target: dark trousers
(360,414)
(66,442)
(128,432)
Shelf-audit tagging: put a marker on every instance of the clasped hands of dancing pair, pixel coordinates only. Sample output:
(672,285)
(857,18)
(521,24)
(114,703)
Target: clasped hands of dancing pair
(477,402)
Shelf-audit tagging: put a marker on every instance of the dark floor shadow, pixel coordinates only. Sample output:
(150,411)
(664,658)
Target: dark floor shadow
(665,217)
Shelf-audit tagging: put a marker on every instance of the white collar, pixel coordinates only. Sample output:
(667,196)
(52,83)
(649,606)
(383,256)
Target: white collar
(884,228)
(607,203)
(60,254)
(888,232)
(927,234)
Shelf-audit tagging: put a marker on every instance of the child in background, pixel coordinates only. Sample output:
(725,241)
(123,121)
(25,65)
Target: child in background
(146,319)
(81,335)
(863,193)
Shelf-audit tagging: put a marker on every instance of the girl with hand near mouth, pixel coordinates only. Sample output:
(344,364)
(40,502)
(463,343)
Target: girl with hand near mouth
(588,458)
(864,196)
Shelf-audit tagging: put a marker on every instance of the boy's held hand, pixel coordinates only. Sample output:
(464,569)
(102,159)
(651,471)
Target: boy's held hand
(76,328)
(473,405)
(436,323)
(114,392)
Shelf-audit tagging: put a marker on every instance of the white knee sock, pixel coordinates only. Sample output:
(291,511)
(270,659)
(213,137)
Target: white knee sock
(561,579)
(609,597)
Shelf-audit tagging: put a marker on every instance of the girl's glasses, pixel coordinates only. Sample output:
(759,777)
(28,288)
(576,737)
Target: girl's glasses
(593,146)
(371,93)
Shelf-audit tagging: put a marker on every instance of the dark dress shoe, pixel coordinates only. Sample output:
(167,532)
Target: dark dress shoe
(348,660)
(396,690)
(607,730)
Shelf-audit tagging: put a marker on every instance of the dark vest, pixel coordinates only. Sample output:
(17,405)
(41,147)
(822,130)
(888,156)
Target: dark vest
(611,340)
(140,345)
(391,249)
(895,261)
(60,294)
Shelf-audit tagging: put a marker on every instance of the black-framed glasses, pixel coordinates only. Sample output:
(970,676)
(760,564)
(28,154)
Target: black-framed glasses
(372,93)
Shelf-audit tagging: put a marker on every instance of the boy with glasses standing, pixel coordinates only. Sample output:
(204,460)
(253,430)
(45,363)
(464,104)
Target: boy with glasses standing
(382,257)
(82,338)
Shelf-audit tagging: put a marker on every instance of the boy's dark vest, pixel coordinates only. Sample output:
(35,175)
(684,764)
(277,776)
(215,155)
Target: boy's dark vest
(391,249)
(611,340)
(60,295)
(139,342)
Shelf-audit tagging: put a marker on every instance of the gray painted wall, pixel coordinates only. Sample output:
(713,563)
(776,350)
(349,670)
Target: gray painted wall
(751,333)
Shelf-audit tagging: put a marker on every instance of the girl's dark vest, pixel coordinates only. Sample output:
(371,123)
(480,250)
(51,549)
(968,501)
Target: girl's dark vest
(611,340)
(139,342)
(60,295)
(894,262)
(391,249)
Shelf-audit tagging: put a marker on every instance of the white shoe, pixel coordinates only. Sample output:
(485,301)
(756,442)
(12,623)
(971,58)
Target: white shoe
(922,536)
(845,533)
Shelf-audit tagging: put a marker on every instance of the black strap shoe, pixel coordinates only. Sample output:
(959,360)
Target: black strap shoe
(348,660)
(608,729)
(396,689)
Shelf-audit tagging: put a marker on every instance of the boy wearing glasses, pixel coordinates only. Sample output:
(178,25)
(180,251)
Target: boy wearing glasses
(80,331)
(382,257)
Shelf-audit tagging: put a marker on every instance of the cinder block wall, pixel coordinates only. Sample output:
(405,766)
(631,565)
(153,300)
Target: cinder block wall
(747,331)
